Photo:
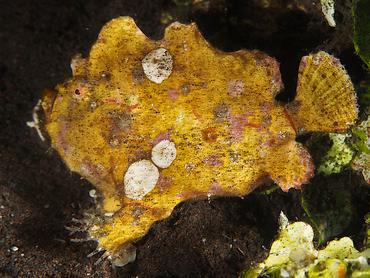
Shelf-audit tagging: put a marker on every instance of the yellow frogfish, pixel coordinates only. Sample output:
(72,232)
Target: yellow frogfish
(154,123)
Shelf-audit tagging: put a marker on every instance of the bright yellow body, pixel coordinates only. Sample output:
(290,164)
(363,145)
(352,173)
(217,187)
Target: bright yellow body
(218,108)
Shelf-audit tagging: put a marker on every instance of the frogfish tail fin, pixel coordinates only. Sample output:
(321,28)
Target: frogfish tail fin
(325,100)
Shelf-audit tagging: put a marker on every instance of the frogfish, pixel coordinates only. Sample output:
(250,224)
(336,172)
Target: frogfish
(152,123)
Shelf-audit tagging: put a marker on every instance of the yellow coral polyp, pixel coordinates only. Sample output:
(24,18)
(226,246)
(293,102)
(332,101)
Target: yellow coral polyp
(216,109)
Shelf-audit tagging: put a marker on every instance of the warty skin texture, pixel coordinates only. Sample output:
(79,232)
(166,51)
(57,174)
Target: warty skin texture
(217,108)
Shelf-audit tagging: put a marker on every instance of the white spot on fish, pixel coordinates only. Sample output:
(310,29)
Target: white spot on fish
(140,178)
(164,153)
(157,65)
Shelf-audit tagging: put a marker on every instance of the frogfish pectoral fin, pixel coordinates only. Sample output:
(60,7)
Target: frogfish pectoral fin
(290,166)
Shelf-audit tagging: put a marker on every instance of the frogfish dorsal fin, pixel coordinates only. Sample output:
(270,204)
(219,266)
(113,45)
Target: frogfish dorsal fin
(325,100)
